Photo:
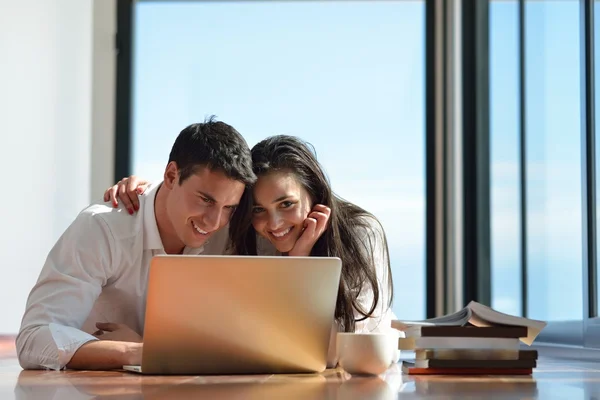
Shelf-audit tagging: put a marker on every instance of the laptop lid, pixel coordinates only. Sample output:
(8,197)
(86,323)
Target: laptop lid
(239,315)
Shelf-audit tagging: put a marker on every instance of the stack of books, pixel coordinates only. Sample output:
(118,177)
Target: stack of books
(476,340)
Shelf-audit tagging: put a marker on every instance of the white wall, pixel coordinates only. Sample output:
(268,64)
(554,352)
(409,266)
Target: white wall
(103,96)
(48,107)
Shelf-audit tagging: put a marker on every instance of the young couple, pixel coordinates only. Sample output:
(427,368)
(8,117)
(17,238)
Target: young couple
(87,308)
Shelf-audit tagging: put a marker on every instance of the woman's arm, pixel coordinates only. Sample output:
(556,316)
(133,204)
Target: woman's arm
(377,254)
(381,319)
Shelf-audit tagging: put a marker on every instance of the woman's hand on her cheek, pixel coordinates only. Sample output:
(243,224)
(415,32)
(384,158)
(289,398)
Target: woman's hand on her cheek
(127,191)
(314,226)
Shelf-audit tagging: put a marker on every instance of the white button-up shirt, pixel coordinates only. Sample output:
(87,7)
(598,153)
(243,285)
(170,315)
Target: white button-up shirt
(96,272)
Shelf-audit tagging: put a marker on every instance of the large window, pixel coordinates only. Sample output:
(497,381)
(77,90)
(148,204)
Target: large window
(549,226)
(346,76)
(504,153)
(553,129)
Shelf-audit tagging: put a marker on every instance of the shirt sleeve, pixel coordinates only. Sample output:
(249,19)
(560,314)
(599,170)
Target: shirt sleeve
(71,280)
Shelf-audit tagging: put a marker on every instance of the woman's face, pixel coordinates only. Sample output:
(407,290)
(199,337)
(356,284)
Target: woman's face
(281,204)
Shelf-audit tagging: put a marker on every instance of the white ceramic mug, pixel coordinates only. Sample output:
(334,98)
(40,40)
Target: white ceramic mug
(365,353)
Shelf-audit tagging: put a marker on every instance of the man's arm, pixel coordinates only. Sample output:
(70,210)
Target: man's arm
(71,280)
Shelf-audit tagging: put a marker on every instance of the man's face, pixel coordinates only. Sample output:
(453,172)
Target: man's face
(202,204)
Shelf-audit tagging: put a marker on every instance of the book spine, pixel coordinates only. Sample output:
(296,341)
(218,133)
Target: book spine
(457,343)
(468,371)
(475,363)
(460,331)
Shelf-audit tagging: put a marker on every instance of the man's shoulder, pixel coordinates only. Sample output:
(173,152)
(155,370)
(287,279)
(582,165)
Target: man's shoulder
(117,220)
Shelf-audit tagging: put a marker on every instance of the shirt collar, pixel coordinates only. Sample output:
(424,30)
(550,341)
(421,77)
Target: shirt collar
(152,239)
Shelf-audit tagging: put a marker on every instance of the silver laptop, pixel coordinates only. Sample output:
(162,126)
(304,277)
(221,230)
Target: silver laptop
(238,315)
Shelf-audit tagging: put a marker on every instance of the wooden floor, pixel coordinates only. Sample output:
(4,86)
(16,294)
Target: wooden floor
(553,379)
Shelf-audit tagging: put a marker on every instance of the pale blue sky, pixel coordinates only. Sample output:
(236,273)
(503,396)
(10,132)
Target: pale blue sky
(552,73)
(349,78)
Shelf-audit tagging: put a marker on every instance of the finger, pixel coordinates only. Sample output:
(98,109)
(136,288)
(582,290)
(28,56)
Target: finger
(319,216)
(138,185)
(112,195)
(124,197)
(321,208)
(132,192)
(107,326)
(321,225)
(324,210)
(142,187)
(99,332)
(307,239)
(106,336)
(310,225)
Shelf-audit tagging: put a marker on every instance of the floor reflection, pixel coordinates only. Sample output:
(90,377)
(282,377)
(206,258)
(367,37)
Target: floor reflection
(84,385)
(451,387)
(330,385)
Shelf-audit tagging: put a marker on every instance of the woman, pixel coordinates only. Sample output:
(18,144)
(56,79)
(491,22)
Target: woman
(293,211)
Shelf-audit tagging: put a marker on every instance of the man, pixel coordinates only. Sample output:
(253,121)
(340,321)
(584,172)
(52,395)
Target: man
(87,309)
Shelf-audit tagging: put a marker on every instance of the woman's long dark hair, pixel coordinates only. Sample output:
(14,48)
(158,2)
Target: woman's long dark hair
(342,238)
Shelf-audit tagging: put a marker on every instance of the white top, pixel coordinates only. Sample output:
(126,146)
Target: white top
(381,321)
(96,272)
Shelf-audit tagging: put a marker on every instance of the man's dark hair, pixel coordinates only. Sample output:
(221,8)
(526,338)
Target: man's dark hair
(216,145)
